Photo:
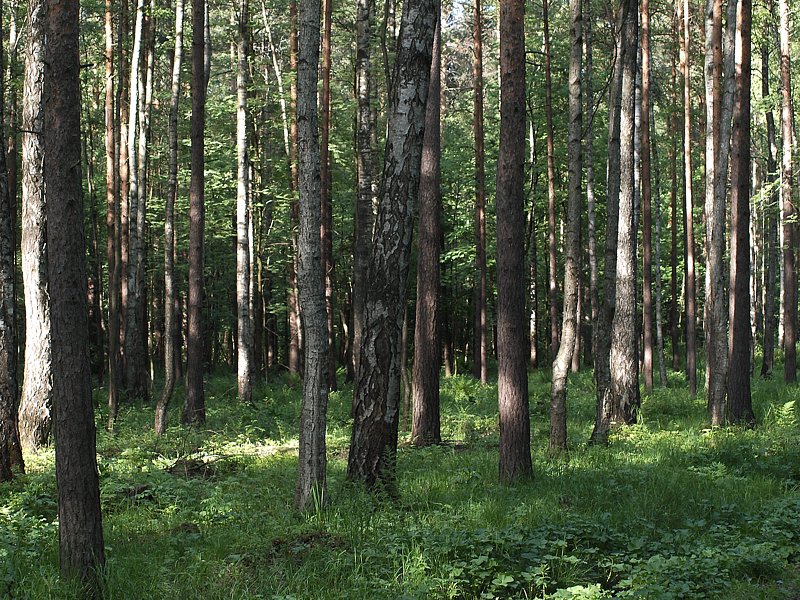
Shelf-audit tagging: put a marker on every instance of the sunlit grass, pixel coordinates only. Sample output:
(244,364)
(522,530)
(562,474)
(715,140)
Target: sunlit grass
(671,509)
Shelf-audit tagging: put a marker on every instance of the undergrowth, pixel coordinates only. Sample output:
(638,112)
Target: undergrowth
(671,509)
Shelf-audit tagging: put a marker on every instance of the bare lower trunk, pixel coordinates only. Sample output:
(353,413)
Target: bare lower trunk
(647,213)
(551,190)
(479,321)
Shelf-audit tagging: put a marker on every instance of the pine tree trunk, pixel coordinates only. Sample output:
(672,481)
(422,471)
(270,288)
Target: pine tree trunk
(295,325)
(36,402)
(569,327)
(673,171)
(194,411)
(79,521)
(771,210)
(373,447)
(551,188)
(480,366)
(740,408)
(647,214)
(788,209)
(512,374)
(171,352)
(588,155)
(427,351)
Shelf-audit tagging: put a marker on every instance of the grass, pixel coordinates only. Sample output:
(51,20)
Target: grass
(671,509)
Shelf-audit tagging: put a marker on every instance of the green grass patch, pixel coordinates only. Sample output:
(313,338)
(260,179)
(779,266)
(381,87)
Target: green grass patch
(671,509)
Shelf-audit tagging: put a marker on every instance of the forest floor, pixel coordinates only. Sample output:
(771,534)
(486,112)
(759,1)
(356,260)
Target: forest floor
(671,509)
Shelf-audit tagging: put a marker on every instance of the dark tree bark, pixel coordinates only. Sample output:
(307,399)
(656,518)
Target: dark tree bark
(570,323)
(10,449)
(373,446)
(772,249)
(363,217)
(326,229)
(311,481)
(740,407)
(688,217)
(512,375)
(480,361)
(79,522)
(427,351)
(36,402)
(647,213)
(551,188)
(604,415)
(788,208)
(171,352)
(624,354)
(194,410)
(112,221)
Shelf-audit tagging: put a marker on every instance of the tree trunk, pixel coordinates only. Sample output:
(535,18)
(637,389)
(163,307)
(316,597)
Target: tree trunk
(373,447)
(601,341)
(570,323)
(512,374)
(326,229)
(36,402)
(295,325)
(788,209)
(551,188)
(740,408)
(771,216)
(480,366)
(624,355)
(688,216)
(311,481)
(194,410)
(363,216)
(673,171)
(10,450)
(170,350)
(244,317)
(647,214)
(588,153)
(427,351)
(80,528)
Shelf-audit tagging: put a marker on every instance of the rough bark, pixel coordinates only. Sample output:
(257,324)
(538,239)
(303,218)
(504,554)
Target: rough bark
(771,209)
(80,528)
(10,450)
(740,408)
(688,217)
(311,481)
(480,361)
(363,217)
(170,350)
(512,376)
(373,446)
(647,213)
(295,325)
(788,209)
(570,322)
(624,355)
(551,187)
(36,402)
(427,351)
(194,411)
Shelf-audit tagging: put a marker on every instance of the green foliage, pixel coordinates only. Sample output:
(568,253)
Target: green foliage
(669,510)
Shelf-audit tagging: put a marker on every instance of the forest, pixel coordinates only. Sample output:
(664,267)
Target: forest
(399,299)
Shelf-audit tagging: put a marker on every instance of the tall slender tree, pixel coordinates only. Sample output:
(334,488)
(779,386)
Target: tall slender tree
(427,351)
(512,376)
(81,547)
(480,367)
(647,213)
(740,408)
(551,185)
(788,208)
(570,323)
(311,480)
(373,444)
(624,353)
(194,411)
(36,403)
